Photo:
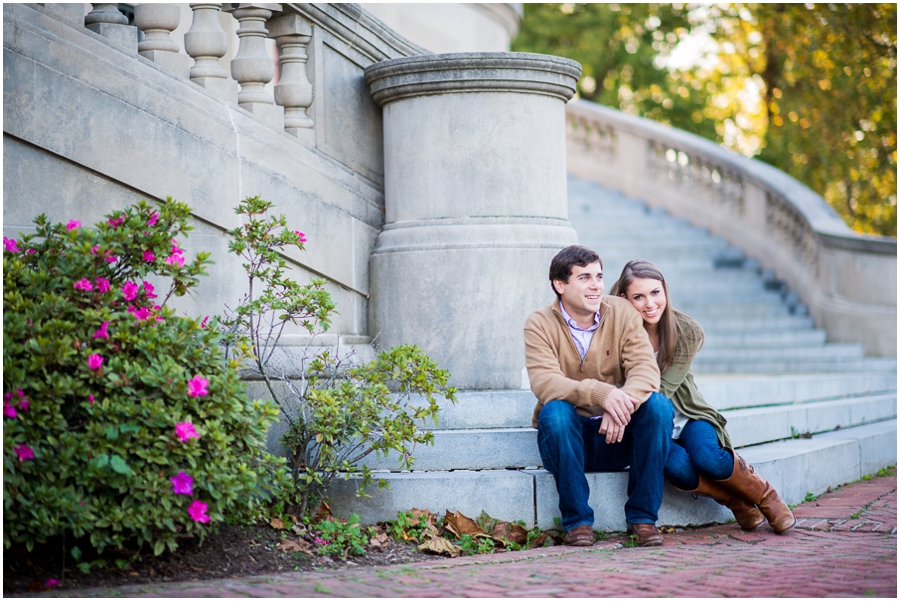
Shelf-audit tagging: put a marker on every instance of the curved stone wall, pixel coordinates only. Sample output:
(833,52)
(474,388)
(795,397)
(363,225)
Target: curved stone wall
(848,280)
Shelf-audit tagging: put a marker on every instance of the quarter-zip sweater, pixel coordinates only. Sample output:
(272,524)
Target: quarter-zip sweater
(620,356)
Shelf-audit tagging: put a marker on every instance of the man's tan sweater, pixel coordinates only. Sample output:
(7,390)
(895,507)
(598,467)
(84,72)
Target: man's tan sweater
(620,356)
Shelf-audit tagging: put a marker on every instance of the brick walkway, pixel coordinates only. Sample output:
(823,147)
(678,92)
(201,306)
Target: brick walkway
(845,544)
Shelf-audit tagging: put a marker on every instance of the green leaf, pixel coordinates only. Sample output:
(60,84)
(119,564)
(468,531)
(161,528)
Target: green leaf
(119,465)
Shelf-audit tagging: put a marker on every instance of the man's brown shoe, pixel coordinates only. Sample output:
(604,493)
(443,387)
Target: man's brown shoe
(580,536)
(645,535)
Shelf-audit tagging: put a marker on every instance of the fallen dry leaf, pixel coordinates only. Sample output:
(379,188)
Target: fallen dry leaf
(324,511)
(379,541)
(298,529)
(278,524)
(292,546)
(440,546)
(459,524)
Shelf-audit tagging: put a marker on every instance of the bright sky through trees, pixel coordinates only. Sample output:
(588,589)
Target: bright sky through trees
(809,88)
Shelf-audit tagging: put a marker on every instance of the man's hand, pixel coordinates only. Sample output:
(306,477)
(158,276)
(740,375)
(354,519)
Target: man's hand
(613,431)
(618,407)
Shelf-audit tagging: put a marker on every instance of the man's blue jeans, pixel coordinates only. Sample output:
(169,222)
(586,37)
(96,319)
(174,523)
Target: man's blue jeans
(570,445)
(697,451)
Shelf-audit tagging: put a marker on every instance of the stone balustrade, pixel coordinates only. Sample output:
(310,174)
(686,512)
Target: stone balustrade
(847,280)
(286,106)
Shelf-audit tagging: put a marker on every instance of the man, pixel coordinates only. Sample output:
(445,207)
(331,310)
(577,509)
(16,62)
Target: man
(592,369)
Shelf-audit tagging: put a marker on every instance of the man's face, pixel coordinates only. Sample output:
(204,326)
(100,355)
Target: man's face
(582,293)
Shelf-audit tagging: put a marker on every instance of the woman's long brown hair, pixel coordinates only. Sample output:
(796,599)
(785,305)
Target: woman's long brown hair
(670,330)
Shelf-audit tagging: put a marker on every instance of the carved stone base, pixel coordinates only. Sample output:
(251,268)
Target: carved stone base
(305,135)
(178,65)
(270,115)
(223,89)
(123,36)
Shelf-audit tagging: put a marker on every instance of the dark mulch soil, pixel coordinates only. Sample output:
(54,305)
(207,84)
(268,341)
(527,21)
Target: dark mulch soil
(231,552)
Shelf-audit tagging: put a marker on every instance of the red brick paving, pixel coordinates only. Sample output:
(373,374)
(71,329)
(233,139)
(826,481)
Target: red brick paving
(845,545)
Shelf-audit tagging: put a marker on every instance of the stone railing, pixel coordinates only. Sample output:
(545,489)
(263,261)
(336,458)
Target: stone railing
(291,26)
(847,280)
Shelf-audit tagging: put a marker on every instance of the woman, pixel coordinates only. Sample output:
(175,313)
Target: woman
(702,462)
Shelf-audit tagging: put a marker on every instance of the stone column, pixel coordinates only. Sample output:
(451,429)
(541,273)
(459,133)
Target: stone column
(294,91)
(206,43)
(475,206)
(157,21)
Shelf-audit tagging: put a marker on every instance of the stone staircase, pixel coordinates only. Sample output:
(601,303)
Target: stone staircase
(807,413)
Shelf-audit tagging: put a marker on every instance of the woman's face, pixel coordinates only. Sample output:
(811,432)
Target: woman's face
(649,297)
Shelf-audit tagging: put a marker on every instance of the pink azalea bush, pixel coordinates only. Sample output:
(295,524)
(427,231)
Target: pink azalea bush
(123,421)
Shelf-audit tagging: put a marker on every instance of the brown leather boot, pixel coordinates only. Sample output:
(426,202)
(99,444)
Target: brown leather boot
(746,482)
(745,512)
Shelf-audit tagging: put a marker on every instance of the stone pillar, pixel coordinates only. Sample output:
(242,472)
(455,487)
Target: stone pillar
(294,91)
(158,21)
(106,20)
(206,43)
(252,67)
(475,206)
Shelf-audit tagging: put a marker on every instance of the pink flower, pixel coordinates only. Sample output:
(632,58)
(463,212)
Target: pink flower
(91,398)
(51,582)
(24,404)
(9,411)
(95,249)
(197,510)
(102,333)
(185,430)
(175,249)
(182,484)
(320,541)
(140,314)
(111,259)
(203,323)
(175,260)
(24,452)
(10,245)
(30,251)
(95,361)
(197,386)
(153,219)
(129,290)
(148,290)
(102,284)
(116,222)
(83,284)
(149,257)
(73,225)
(300,235)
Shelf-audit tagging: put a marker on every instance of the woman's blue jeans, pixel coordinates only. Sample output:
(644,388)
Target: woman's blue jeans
(697,451)
(570,445)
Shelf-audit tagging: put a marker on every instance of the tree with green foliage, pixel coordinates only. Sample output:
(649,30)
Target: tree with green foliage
(810,89)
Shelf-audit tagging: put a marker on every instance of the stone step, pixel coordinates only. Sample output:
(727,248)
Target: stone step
(767,424)
(794,467)
(516,447)
(737,391)
(756,324)
(787,338)
(887,364)
(770,353)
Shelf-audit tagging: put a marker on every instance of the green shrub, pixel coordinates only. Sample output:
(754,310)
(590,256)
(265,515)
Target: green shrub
(336,415)
(122,420)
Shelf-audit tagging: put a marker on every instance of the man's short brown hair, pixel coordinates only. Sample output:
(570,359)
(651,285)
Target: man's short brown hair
(562,263)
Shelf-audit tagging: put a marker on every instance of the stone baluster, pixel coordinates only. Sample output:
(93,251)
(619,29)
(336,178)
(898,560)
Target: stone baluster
(106,20)
(252,67)
(206,43)
(293,91)
(157,21)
